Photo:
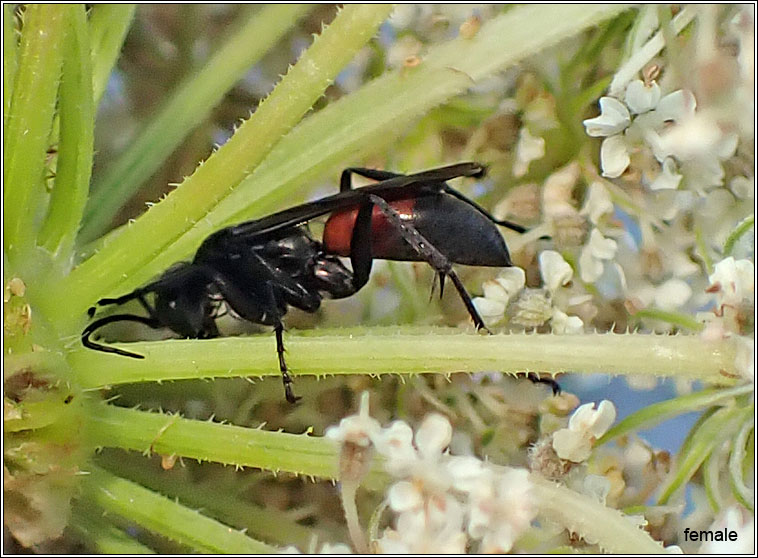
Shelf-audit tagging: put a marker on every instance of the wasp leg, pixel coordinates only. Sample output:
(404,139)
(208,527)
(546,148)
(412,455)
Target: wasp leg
(434,257)
(536,379)
(286,378)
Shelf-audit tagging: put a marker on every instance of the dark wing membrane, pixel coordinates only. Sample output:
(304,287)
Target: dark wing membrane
(431,180)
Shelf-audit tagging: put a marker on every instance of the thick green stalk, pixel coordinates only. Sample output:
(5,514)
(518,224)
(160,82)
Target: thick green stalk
(30,120)
(412,351)
(187,107)
(131,429)
(101,535)
(109,24)
(221,498)
(614,532)
(10,52)
(188,204)
(165,516)
(75,140)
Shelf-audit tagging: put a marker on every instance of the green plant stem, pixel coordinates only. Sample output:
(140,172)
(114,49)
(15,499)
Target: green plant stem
(185,109)
(165,516)
(743,494)
(411,351)
(674,318)
(368,118)
(656,413)
(581,514)
(714,430)
(109,24)
(744,226)
(219,499)
(30,119)
(75,142)
(102,536)
(185,206)
(650,49)
(10,52)
(147,432)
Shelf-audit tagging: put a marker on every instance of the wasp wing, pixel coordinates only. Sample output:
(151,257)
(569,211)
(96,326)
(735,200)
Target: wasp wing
(400,186)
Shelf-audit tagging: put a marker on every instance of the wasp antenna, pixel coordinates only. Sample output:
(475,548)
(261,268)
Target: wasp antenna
(94,326)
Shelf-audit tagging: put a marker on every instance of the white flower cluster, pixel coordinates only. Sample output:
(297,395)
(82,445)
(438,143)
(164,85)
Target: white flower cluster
(532,307)
(733,284)
(442,503)
(685,144)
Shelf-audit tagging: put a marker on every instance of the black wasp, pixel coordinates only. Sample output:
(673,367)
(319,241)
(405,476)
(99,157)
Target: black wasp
(259,268)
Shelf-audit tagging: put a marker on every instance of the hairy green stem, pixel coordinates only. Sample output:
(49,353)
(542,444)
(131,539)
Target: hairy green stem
(651,415)
(165,516)
(109,24)
(581,514)
(75,143)
(411,351)
(101,535)
(10,52)
(186,108)
(30,120)
(164,434)
(221,498)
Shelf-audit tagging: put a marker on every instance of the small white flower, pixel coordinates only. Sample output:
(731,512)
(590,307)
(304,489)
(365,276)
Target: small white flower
(358,429)
(593,253)
(433,436)
(734,281)
(640,97)
(528,149)
(614,156)
(396,444)
(557,192)
(555,271)
(672,294)
(669,177)
(585,426)
(595,422)
(743,187)
(676,106)
(508,283)
(614,118)
(501,510)
(491,311)
(498,292)
(597,203)
(563,324)
(403,496)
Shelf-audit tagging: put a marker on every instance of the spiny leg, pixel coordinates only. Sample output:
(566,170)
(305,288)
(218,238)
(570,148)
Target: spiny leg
(536,379)
(434,257)
(286,378)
